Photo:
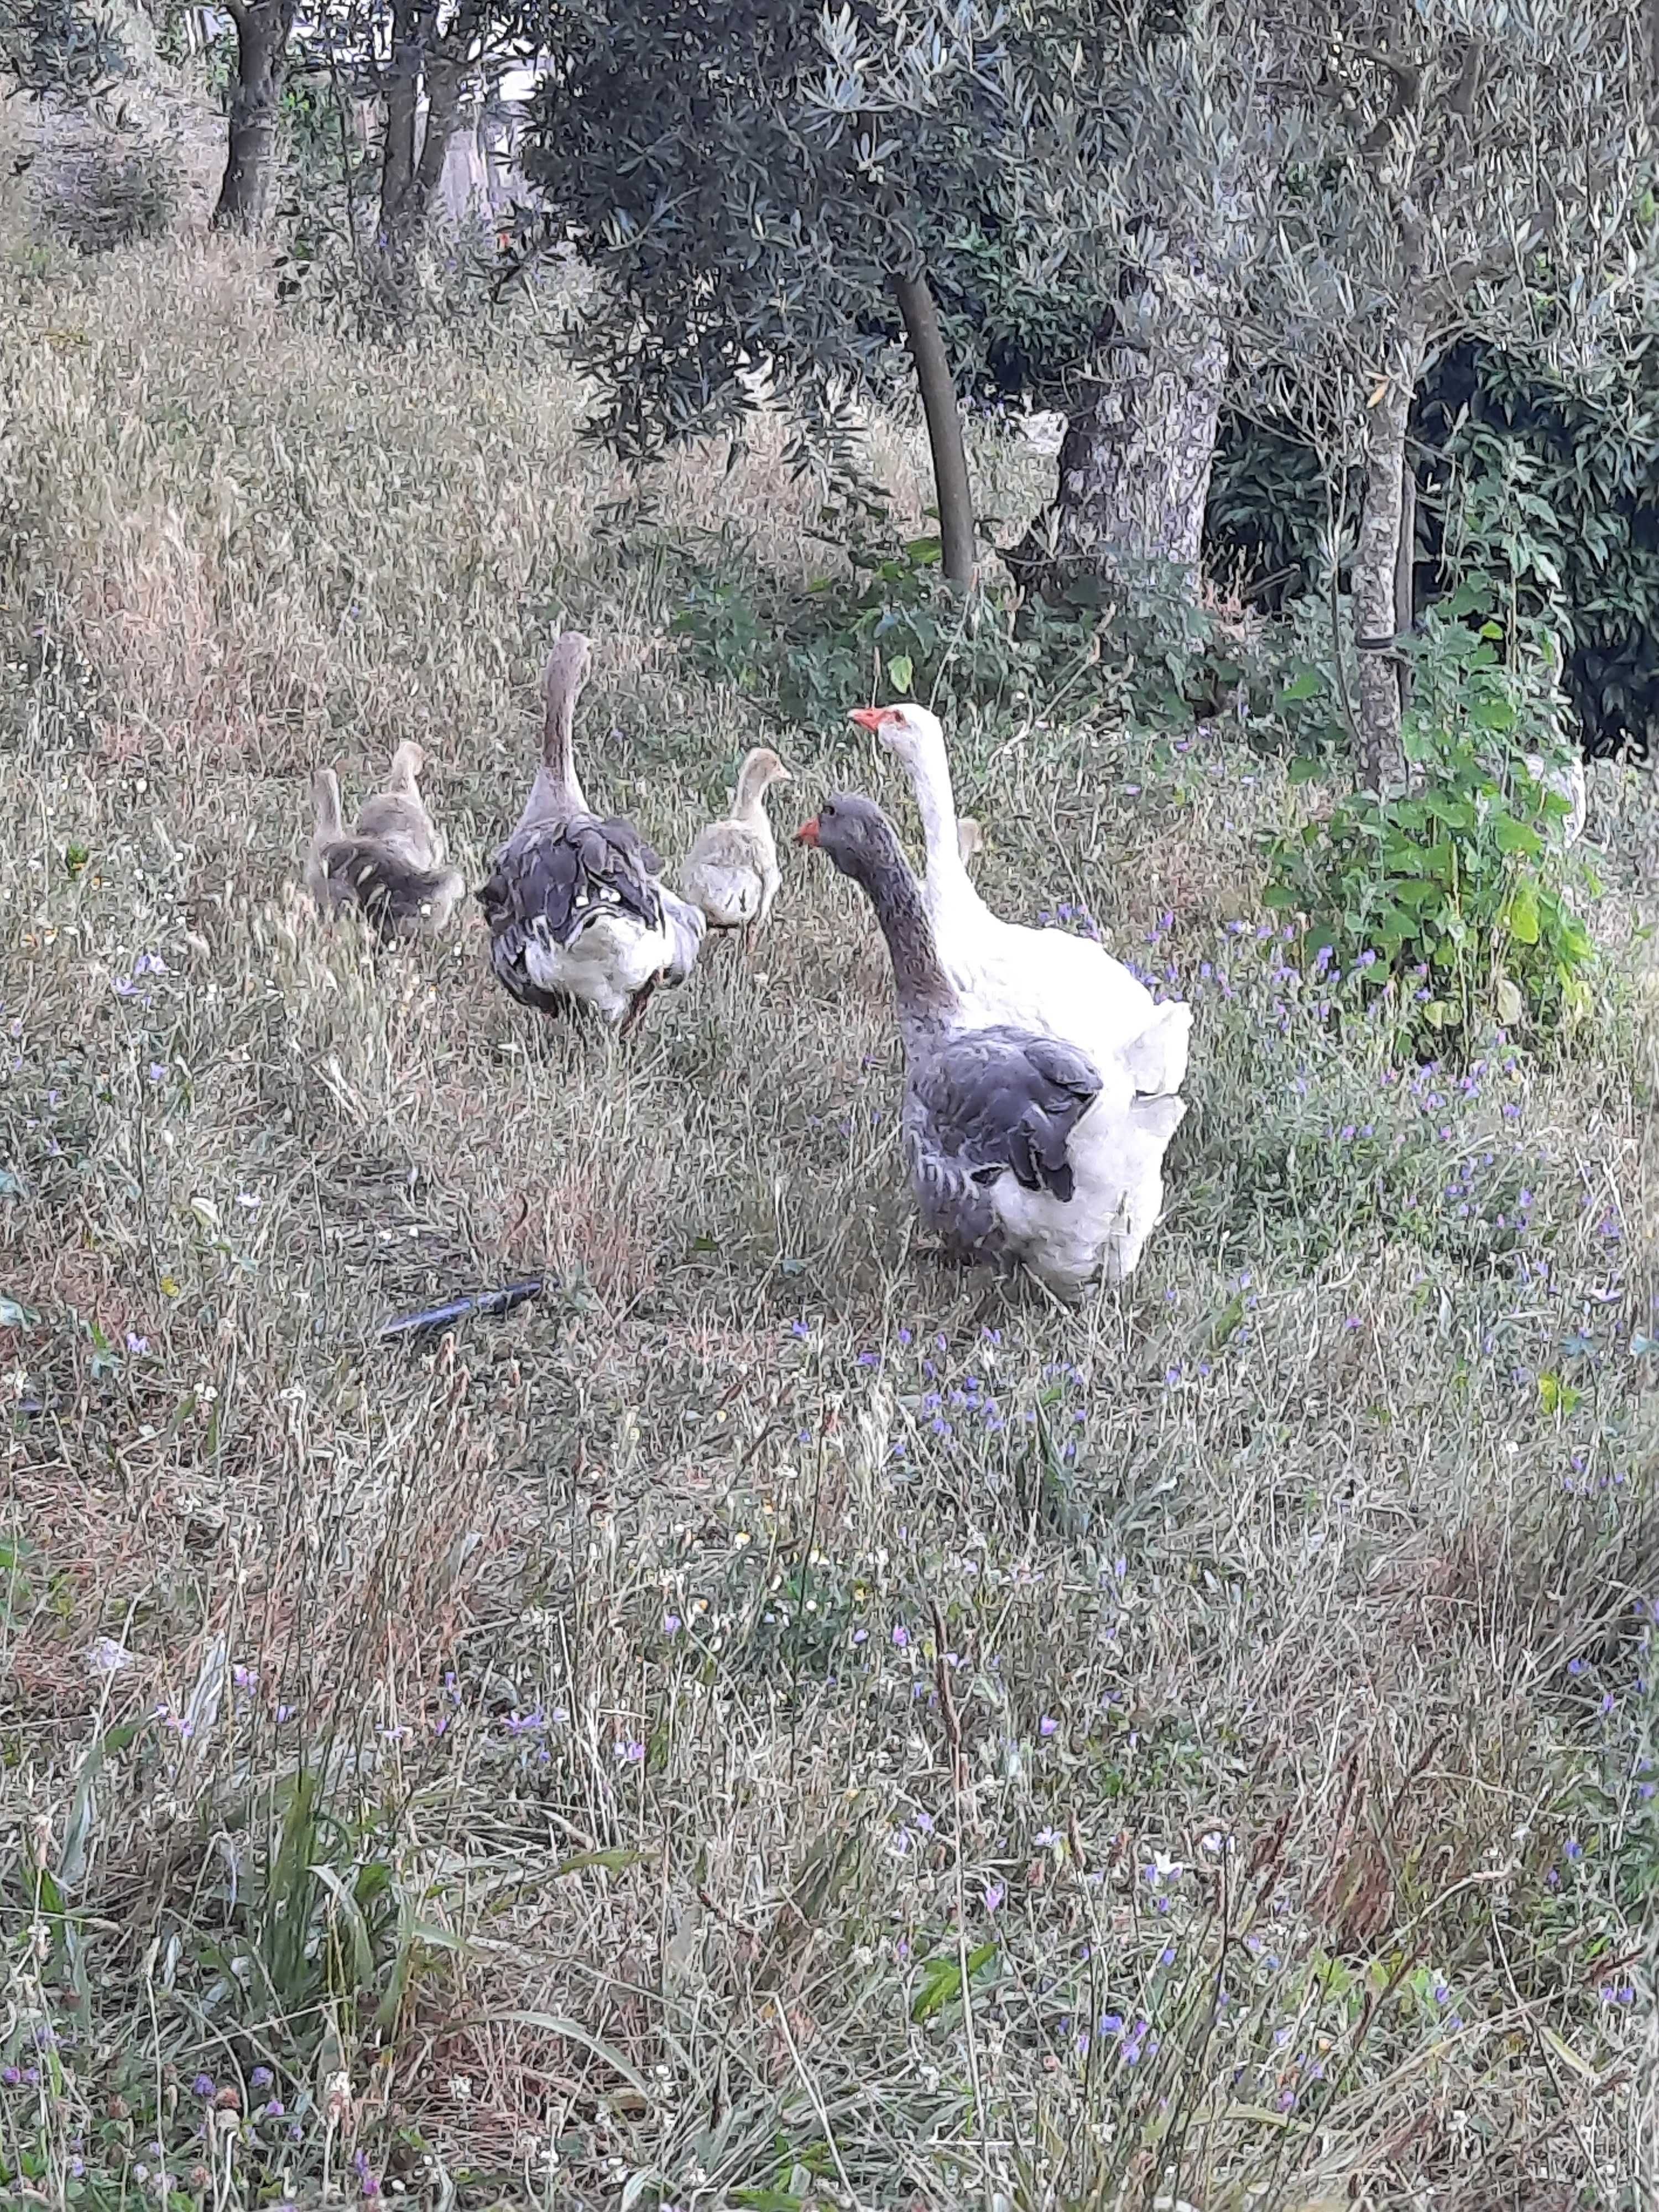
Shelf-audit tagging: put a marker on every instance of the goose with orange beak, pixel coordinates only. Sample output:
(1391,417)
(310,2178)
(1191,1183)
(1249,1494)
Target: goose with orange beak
(1045,980)
(1010,1156)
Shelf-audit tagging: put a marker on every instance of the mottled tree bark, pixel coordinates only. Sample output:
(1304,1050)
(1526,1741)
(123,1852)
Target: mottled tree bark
(423,60)
(1405,572)
(262,35)
(1377,563)
(410,22)
(938,403)
(1134,466)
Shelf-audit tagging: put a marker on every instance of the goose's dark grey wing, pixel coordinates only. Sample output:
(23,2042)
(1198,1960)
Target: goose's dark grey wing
(1002,1101)
(396,898)
(550,883)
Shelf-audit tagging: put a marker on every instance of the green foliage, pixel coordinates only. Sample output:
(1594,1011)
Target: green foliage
(1552,483)
(1452,894)
(891,623)
(323,1917)
(55,49)
(110,193)
(748,181)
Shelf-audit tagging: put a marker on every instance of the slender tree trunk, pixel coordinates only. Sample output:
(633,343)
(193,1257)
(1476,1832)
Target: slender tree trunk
(444,81)
(1135,462)
(412,170)
(403,104)
(262,34)
(938,402)
(1377,563)
(1404,573)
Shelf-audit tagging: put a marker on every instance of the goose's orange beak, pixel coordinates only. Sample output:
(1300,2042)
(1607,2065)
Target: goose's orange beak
(808,832)
(869,717)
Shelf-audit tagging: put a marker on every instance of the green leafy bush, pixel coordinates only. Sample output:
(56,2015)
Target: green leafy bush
(100,193)
(892,622)
(1454,894)
(1167,656)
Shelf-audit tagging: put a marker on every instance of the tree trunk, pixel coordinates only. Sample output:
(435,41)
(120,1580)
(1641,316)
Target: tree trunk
(1404,573)
(1377,565)
(402,105)
(938,402)
(262,34)
(412,165)
(444,81)
(1134,466)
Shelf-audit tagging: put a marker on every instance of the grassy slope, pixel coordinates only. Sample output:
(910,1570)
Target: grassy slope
(1291,1719)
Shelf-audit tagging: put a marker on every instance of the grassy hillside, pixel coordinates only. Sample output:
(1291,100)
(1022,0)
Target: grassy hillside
(770,1721)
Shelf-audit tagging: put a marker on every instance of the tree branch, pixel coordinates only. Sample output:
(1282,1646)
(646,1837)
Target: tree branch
(1460,101)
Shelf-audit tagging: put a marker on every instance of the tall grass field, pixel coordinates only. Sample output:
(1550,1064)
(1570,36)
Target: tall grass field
(772,1722)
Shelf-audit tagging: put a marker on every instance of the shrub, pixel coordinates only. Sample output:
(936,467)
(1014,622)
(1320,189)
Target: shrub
(1168,656)
(100,193)
(1454,892)
(892,619)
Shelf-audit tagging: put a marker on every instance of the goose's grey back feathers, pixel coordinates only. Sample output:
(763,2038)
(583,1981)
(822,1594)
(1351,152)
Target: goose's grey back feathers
(391,865)
(986,1103)
(549,884)
(396,899)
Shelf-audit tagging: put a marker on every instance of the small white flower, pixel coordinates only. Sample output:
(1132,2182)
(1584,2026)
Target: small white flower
(106,1656)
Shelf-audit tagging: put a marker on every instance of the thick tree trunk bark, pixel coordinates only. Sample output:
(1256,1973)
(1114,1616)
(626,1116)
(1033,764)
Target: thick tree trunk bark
(1377,565)
(262,34)
(938,402)
(1134,466)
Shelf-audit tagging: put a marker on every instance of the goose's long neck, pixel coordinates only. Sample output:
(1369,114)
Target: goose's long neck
(557,795)
(325,795)
(936,802)
(926,1001)
(750,803)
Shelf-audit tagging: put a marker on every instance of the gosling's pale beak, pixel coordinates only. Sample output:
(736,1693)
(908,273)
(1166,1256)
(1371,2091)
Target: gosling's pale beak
(869,717)
(808,832)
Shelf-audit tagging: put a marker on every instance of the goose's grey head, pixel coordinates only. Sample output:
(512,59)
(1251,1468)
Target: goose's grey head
(855,834)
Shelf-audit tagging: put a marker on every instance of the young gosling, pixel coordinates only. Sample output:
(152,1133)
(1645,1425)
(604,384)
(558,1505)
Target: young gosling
(391,865)
(731,870)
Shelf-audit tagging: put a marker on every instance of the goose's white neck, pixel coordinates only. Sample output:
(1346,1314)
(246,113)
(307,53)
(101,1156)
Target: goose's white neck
(930,778)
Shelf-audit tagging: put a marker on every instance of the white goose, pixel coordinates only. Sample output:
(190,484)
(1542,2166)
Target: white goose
(1045,980)
(1010,1147)
(577,909)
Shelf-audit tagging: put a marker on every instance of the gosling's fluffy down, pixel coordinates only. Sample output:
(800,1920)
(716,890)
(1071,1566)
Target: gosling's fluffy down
(391,865)
(731,870)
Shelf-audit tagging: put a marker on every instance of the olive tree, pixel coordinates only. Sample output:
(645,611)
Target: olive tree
(1458,168)
(1161,155)
(762,221)
(1047,194)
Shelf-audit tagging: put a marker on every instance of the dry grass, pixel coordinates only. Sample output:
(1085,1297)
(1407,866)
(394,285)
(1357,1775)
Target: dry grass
(1294,1710)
